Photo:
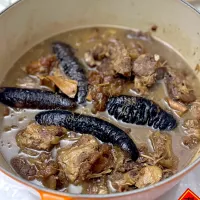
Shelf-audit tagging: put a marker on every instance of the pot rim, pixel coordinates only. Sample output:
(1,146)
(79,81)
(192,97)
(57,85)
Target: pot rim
(146,189)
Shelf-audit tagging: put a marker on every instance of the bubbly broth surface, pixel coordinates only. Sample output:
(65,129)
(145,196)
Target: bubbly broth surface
(82,40)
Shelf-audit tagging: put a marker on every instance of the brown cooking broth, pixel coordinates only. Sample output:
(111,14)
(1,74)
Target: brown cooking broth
(82,40)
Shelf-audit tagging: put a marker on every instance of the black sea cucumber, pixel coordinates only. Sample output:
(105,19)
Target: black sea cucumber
(104,131)
(140,111)
(34,98)
(72,67)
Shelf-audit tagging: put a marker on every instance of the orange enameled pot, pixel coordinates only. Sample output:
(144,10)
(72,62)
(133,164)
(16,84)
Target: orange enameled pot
(29,22)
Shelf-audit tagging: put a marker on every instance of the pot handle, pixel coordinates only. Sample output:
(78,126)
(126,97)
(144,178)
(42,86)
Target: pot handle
(50,196)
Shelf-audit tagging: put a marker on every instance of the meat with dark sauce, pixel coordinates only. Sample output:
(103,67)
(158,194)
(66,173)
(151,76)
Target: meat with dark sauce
(135,49)
(147,69)
(23,168)
(144,83)
(145,65)
(195,110)
(178,88)
(40,137)
(101,87)
(34,99)
(191,141)
(161,156)
(72,67)
(140,111)
(50,182)
(48,171)
(121,60)
(141,175)
(72,159)
(150,167)
(191,124)
(97,55)
(103,130)
(162,150)
(148,175)
(96,186)
(123,181)
(42,66)
(85,158)
(114,54)
(192,129)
